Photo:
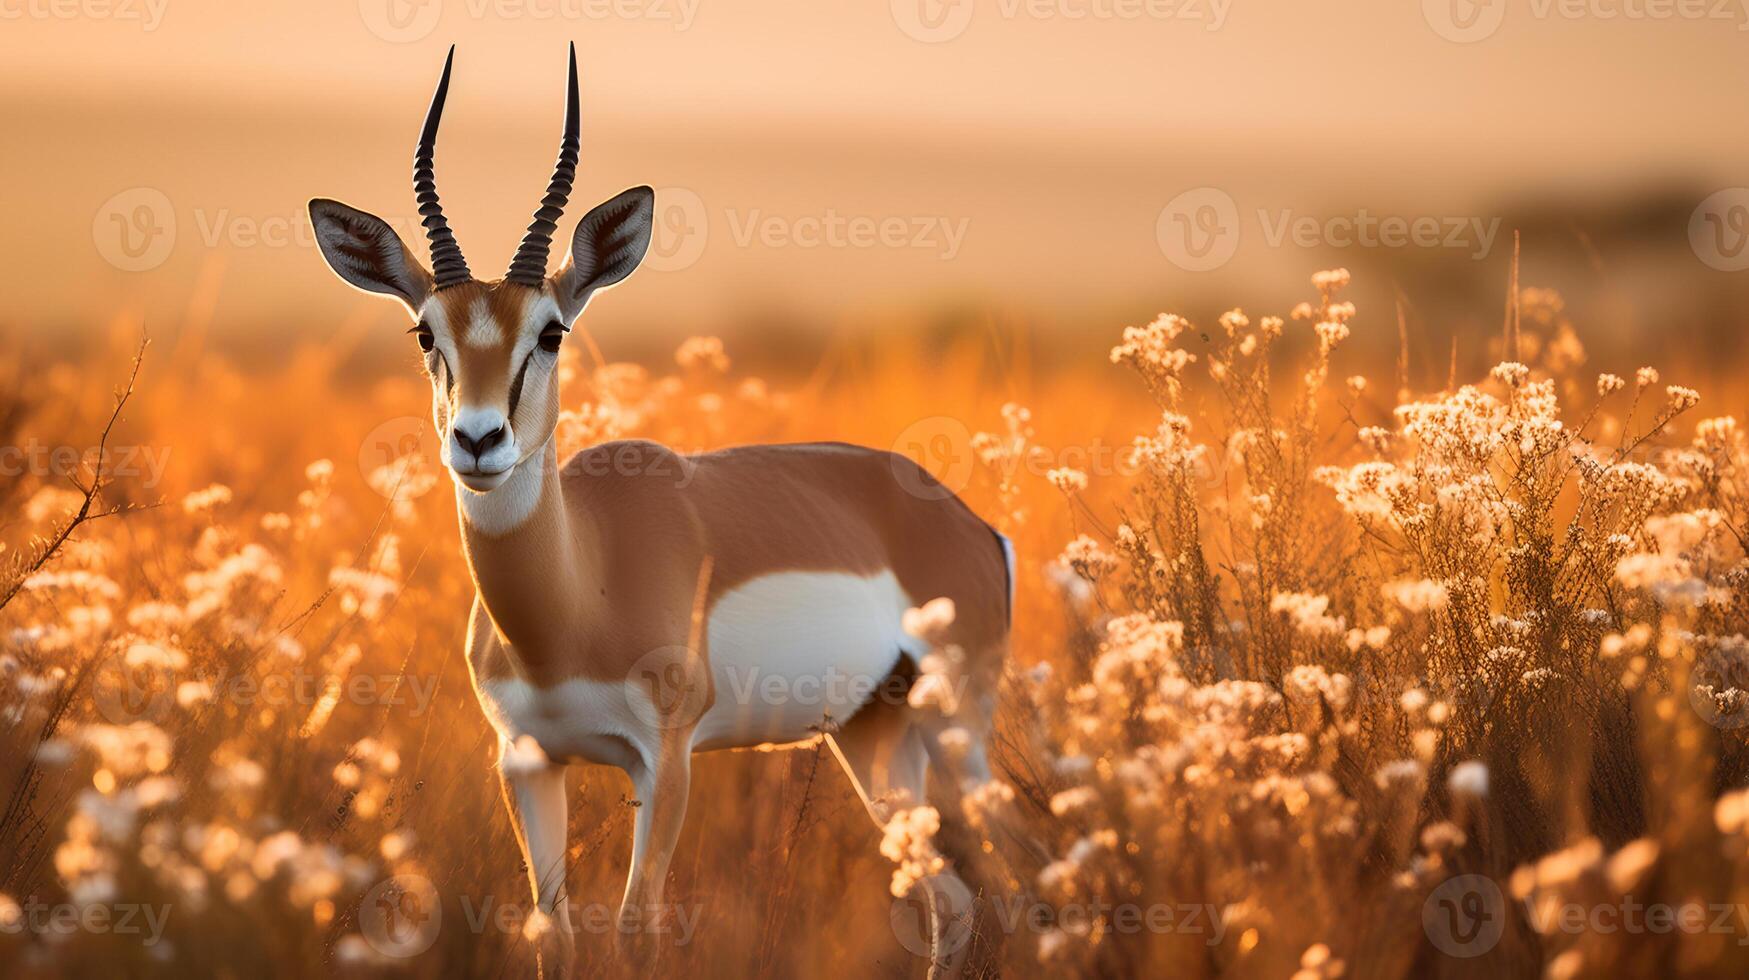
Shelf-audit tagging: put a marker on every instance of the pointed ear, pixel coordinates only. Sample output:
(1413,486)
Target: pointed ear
(363,250)
(609,243)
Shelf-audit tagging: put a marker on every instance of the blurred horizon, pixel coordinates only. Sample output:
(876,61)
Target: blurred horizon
(1023,161)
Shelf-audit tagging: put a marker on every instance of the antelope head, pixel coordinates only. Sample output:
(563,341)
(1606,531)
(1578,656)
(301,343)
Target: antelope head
(490,347)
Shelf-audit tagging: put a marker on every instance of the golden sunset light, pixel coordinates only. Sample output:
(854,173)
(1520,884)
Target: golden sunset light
(927,488)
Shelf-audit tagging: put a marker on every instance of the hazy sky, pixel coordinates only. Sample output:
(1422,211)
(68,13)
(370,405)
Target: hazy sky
(838,158)
(1146,69)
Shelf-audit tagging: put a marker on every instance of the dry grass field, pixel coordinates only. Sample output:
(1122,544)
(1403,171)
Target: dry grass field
(1313,675)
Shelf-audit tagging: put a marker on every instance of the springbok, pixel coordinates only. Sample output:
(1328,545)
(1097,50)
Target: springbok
(634,605)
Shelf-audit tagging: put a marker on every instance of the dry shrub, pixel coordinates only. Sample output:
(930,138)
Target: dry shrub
(1340,654)
(1320,685)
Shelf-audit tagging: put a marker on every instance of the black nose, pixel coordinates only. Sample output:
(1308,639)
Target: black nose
(479,445)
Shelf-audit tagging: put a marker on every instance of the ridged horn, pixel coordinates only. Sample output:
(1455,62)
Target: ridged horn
(448,267)
(530,265)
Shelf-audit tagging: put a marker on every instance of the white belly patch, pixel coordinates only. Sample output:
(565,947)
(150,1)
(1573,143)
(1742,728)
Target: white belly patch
(790,649)
(787,652)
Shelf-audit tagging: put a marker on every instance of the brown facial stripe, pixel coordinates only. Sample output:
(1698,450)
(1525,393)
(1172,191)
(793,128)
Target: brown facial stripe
(516,385)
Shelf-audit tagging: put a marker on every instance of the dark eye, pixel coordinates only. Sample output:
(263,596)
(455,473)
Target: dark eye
(552,337)
(422,333)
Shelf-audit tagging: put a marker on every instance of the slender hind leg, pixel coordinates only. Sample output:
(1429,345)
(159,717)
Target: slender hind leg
(959,761)
(964,764)
(662,789)
(887,762)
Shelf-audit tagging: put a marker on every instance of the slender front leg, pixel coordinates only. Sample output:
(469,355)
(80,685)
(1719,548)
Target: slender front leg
(662,789)
(534,790)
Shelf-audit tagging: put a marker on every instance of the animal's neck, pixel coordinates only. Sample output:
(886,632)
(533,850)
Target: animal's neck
(525,549)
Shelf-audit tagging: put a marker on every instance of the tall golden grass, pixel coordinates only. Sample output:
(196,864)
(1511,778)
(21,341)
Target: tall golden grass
(1313,677)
